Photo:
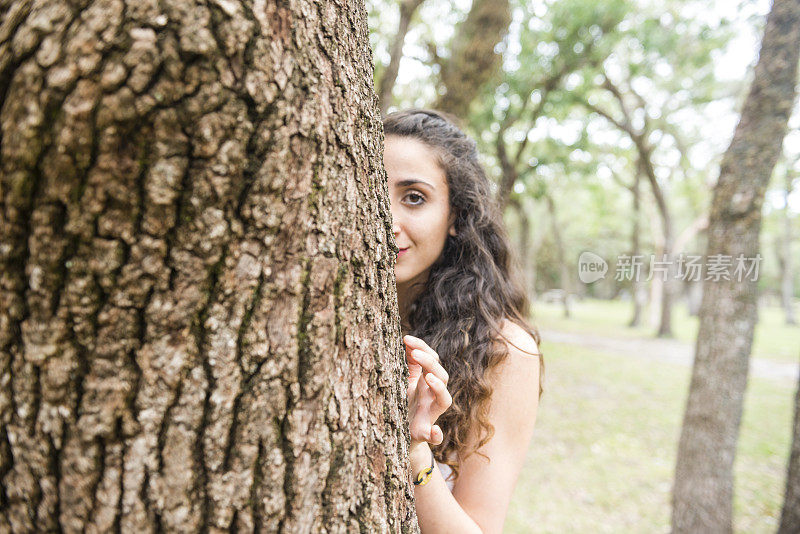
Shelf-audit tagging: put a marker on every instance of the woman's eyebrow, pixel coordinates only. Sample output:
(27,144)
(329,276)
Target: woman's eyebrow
(406,183)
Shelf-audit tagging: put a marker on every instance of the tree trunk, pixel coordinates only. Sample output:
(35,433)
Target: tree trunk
(695,298)
(473,60)
(703,491)
(509,174)
(560,252)
(787,273)
(693,290)
(655,290)
(640,138)
(198,322)
(666,284)
(790,515)
(389,77)
(527,248)
(638,292)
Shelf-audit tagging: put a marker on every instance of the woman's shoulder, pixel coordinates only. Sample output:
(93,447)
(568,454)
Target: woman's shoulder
(519,341)
(516,385)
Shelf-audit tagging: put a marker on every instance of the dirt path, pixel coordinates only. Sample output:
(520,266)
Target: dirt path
(668,350)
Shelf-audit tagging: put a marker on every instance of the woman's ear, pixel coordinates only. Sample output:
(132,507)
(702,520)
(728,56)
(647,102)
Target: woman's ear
(452,221)
(452,230)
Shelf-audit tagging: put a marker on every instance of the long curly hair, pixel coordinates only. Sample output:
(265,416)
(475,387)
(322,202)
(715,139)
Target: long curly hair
(472,287)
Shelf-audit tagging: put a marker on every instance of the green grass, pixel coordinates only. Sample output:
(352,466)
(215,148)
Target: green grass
(603,454)
(773,339)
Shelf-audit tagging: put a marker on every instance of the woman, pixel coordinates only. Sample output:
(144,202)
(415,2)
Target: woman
(475,368)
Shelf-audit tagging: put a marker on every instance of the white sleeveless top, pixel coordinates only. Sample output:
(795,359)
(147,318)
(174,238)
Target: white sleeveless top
(446,472)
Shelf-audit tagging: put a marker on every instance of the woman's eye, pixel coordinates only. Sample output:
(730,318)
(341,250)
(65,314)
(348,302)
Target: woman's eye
(415,198)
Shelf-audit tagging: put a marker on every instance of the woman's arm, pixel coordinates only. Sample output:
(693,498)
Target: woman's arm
(437,509)
(484,487)
(483,490)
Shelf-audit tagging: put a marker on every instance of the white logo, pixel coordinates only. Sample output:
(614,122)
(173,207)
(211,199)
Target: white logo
(591,267)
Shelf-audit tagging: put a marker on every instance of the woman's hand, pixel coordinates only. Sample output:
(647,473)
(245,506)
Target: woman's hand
(428,397)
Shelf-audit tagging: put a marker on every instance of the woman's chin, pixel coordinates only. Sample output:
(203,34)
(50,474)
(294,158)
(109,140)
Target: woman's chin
(401,277)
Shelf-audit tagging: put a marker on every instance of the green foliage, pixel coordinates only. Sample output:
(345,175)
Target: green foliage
(662,56)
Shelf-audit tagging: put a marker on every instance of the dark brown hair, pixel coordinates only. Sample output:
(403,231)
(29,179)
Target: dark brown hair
(473,286)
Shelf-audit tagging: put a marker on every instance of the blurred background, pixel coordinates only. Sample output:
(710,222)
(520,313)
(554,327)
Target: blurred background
(602,125)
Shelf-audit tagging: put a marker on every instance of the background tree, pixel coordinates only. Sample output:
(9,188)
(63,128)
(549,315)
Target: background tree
(785,245)
(389,75)
(198,328)
(639,90)
(567,37)
(472,59)
(636,285)
(703,490)
(790,512)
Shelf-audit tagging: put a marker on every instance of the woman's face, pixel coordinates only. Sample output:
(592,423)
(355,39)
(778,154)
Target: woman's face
(420,204)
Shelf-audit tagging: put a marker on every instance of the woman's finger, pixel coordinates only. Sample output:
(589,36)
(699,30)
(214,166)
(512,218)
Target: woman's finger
(437,436)
(417,343)
(417,388)
(443,398)
(419,432)
(430,364)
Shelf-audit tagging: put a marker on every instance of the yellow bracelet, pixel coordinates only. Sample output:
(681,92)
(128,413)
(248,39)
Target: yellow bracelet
(426,474)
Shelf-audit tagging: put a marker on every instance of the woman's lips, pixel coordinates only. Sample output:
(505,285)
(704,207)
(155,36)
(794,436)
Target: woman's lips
(401,251)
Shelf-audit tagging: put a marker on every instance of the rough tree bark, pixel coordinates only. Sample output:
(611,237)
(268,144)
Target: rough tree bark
(198,325)
(472,60)
(703,490)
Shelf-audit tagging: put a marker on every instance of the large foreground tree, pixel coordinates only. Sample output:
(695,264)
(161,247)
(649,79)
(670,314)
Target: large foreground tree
(703,490)
(198,322)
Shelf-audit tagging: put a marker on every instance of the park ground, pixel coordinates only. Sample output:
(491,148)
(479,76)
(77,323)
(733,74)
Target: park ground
(602,457)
